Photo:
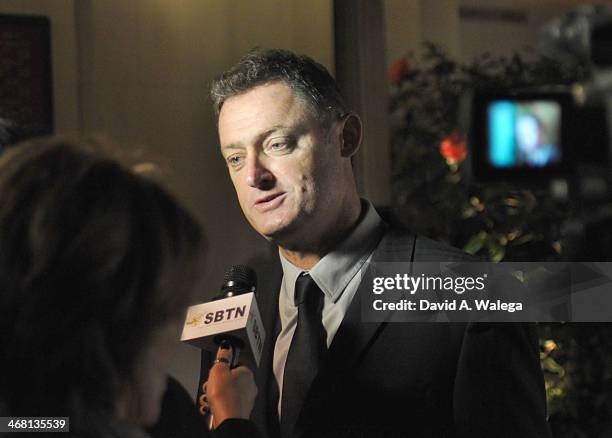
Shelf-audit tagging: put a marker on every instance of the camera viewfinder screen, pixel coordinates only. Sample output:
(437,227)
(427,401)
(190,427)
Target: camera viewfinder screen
(524,133)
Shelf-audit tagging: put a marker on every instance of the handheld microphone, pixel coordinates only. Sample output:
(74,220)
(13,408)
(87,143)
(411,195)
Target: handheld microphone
(233,316)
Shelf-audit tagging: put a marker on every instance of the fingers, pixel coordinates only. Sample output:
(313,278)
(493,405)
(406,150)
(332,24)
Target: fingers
(203,401)
(204,408)
(224,354)
(221,366)
(229,393)
(219,373)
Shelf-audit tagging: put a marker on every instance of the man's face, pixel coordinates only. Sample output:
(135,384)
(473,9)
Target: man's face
(286,166)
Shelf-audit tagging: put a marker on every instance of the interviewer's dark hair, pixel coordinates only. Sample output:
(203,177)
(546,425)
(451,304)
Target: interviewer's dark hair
(309,79)
(93,258)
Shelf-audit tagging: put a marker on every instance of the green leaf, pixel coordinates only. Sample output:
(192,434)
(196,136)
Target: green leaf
(476,243)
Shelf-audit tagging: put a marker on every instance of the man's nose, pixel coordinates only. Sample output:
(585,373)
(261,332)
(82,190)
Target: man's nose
(258,175)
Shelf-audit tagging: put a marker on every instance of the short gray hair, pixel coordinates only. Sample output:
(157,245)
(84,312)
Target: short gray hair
(309,79)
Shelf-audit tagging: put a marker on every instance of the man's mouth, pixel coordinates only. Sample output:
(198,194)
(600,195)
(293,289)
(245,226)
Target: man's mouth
(270,202)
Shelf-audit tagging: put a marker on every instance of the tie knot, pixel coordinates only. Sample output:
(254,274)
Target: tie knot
(306,290)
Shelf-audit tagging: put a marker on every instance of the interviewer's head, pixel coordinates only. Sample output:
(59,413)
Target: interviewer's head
(97,265)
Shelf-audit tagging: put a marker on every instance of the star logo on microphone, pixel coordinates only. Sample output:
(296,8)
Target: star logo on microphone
(196,320)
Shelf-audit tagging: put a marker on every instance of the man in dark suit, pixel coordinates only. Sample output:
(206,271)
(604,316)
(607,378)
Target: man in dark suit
(288,140)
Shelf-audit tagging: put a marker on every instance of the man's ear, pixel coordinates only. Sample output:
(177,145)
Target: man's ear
(350,134)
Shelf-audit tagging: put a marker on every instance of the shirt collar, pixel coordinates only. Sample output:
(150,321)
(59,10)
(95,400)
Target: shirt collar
(336,269)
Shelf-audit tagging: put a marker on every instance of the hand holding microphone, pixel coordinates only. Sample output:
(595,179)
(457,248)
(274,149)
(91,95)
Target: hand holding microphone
(232,316)
(230,325)
(229,392)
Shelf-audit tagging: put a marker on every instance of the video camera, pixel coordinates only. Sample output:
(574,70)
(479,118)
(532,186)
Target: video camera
(544,135)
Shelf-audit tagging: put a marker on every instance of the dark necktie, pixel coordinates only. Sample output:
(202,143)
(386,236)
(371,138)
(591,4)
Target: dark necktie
(305,353)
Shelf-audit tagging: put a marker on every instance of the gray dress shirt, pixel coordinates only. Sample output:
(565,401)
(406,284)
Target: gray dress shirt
(337,274)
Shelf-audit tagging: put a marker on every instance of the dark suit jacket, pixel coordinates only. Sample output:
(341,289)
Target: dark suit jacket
(412,379)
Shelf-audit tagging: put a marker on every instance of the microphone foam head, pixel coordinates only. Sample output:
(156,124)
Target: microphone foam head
(239,279)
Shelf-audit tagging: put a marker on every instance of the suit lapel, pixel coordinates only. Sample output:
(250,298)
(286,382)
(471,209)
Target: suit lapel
(353,335)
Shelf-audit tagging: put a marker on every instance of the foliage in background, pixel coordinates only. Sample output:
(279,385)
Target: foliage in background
(494,221)
(490,221)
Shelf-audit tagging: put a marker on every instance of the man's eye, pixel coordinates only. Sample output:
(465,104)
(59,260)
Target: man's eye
(234,160)
(276,147)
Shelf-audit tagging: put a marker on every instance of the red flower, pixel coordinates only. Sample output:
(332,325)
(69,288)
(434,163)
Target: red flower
(397,71)
(453,148)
